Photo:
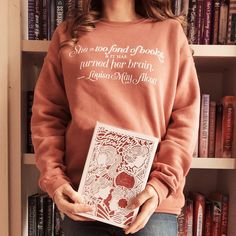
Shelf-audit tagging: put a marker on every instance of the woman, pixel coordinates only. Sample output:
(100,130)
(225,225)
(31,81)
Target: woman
(126,63)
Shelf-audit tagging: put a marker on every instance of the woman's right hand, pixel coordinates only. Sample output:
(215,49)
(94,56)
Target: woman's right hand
(69,202)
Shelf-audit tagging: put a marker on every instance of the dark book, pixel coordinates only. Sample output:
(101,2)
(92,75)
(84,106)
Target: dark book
(208,218)
(189,217)
(70,8)
(216,19)
(60,11)
(38,19)
(32,214)
(224,215)
(31,19)
(49,217)
(231,38)
(227,126)
(192,35)
(218,141)
(52,18)
(212,129)
(206,39)
(57,222)
(29,144)
(199,21)
(216,199)
(223,22)
(41,214)
(45,11)
(182,231)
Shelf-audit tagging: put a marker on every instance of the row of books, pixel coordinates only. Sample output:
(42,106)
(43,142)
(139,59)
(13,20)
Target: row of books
(203,215)
(216,127)
(209,21)
(43,216)
(41,17)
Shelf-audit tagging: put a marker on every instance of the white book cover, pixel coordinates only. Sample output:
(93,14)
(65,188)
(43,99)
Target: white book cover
(116,170)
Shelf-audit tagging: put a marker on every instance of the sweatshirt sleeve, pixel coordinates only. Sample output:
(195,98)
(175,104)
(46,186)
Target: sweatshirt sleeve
(174,155)
(50,117)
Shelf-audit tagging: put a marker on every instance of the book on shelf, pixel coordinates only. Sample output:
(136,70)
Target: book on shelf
(204,125)
(227,126)
(29,104)
(223,22)
(212,129)
(231,34)
(204,215)
(116,170)
(218,139)
(43,216)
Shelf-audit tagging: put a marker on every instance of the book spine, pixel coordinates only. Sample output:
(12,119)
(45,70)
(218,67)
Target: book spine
(178,6)
(38,20)
(199,211)
(227,126)
(49,216)
(212,129)
(216,19)
(224,218)
(185,10)
(218,140)
(30,98)
(208,218)
(44,20)
(189,217)
(60,11)
(57,222)
(182,222)
(223,22)
(207,22)
(231,38)
(48,19)
(204,126)
(192,22)
(52,18)
(199,20)
(31,19)
(41,215)
(216,199)
(32,214)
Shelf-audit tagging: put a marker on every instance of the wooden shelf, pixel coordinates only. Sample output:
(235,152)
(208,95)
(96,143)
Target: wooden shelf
(35,45)
(198,163)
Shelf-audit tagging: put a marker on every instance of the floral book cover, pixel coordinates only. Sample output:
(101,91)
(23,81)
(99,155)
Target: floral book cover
(116,170)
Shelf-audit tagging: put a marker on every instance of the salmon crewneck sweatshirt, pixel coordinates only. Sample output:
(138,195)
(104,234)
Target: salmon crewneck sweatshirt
(137,75)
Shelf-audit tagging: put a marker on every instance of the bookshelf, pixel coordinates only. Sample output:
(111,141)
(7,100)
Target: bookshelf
(216,65)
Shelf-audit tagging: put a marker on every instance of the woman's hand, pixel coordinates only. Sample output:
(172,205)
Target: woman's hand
(148,199)
(69,202)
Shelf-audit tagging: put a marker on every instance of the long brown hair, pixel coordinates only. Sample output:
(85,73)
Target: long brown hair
(89,12)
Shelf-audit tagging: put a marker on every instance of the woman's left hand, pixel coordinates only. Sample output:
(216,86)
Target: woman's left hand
(148,200)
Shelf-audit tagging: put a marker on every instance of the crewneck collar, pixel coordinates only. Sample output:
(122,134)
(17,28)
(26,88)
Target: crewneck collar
(122,23)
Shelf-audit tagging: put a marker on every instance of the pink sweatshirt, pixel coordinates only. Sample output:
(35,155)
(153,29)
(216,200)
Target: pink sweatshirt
(137,75)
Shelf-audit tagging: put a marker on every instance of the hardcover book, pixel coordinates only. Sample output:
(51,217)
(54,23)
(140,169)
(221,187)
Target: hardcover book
(116,170)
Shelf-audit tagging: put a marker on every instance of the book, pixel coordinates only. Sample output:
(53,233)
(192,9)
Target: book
(224,215)
(216,199)
(199,21)
(189,217)
(231,38)
(32,214)
(199,212)
(204,126)
(212,129)
(208,218)
(116,170)
(207,22)
(29,144)
(216,18)
(218,140)
(222,37)
(192,33)
(227,126)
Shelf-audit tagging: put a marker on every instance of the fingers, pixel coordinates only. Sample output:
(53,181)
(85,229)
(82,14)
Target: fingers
(141,220)
(141,198)
(72,194)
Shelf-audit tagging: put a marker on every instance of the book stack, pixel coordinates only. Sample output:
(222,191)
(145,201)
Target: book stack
(216,127)
(41,17)
(43,216)
(203,215)
(209,21)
